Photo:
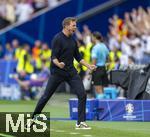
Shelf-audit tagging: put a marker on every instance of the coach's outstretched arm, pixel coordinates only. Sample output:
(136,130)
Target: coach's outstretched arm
(89,66)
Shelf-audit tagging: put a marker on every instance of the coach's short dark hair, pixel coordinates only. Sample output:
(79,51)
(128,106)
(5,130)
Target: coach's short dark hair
(98,35)
(67,21)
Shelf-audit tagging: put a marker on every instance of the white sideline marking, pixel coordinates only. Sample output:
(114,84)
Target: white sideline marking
(73,133)
(87,135)
(51,129)
(60,131)
(139,129)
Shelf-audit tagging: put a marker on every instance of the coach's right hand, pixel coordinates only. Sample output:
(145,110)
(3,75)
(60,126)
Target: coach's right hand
(61,65)
(58,64)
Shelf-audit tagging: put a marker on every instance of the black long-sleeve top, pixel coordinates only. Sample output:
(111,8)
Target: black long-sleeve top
(65,50)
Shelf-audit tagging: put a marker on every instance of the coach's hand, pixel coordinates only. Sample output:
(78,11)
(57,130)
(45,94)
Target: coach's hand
(89,66)
(92,67)
(61,65)
(58,64)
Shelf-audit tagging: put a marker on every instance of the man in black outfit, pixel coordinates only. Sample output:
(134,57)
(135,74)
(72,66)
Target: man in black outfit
(64,50)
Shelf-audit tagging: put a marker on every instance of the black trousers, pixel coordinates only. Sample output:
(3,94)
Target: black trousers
(76,85)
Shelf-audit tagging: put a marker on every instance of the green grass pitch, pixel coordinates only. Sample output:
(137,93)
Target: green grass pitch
(58,107)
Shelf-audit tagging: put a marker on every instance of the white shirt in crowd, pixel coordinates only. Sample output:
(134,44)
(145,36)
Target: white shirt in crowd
(24,11)
(124,60)
(135,41)
(10,13)
(126,49)
(40,4)
(113,42)
(52,3)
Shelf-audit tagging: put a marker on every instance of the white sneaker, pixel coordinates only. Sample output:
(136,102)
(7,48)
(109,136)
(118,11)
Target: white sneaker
(82,125)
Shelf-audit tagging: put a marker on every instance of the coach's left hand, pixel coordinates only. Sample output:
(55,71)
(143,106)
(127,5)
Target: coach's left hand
(92,67)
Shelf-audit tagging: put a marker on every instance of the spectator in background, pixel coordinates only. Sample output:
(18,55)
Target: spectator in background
(114,57)
(99,57)
(25,61)
(24,11)
(117,29)
(10,11)
(146,47)
(36,80)
(81,69)
(85,36)
(25,91)
(36,52)
(16,49)
(53,3)
(40,4)
(3,21)
(46,54)
(1,52)
(9,52)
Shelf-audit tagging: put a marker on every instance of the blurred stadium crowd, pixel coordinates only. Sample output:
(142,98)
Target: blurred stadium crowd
(12,11)
(126,43)
(131,36)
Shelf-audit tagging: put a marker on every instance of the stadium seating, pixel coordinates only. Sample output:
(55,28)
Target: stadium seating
(7,68)
(110,92)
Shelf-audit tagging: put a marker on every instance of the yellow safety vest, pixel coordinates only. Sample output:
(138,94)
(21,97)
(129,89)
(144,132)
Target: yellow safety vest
(76,65)
(46,54)
(82,50)
(18,53)
(22,65)
(88,53)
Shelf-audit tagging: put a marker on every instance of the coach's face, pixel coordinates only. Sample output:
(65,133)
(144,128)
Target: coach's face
(72,27)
